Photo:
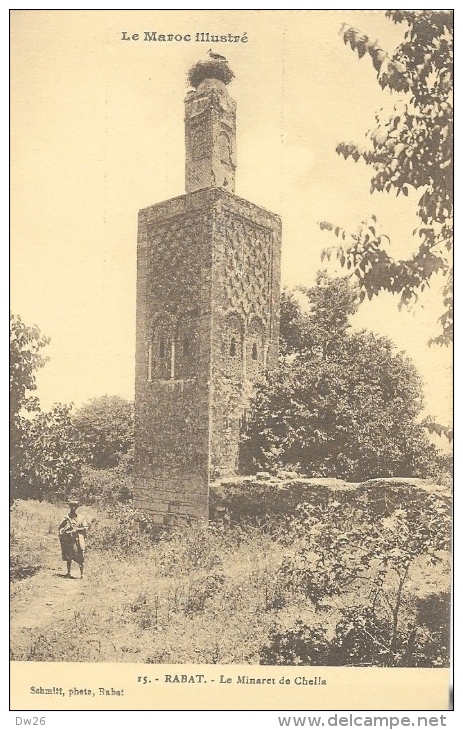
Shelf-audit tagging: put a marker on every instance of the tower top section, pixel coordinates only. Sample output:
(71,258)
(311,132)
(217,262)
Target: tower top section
(216,67)
(210,127)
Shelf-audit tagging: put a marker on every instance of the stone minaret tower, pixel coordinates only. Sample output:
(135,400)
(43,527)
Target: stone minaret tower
(208,292)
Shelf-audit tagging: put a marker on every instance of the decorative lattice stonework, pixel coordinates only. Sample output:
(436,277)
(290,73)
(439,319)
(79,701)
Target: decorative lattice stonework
(246,257)
(175,257)
(207,328)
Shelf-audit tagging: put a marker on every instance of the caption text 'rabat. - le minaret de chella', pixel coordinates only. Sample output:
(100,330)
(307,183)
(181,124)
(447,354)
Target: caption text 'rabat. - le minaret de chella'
(208,292)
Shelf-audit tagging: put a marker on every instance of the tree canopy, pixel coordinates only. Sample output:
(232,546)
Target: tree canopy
(46,450)
(410,148)
(49,448)
(26,358)
(342,403)
(106,425)
(52,455)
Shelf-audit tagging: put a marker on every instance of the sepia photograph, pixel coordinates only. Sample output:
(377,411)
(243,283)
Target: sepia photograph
(231,358)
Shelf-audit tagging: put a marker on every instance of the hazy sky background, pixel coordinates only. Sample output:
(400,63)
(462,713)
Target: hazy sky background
(97,134)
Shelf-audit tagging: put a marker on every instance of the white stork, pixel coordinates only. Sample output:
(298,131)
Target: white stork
(216,56)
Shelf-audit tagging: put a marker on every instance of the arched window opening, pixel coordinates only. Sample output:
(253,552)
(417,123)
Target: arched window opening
(224,147)
(199,144)
(255,348)
(162,348)
(233,346)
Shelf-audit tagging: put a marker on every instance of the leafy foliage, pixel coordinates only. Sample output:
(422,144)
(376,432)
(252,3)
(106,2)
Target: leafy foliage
(161,596)
(106,487)
(301,644)
(362,550)
(366,536)
(294,325)
(433,616)
(410,148)
(106,426)
(438,429)
(52,455)
(331,301)
(341,404)
(46,451)
(26,344)
(124,531)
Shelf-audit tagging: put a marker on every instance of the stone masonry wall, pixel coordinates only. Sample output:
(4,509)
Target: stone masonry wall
(210,137)
(207,329)
(245,292)
(172,393)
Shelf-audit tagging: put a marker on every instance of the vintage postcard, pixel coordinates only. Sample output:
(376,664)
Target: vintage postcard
(231,368)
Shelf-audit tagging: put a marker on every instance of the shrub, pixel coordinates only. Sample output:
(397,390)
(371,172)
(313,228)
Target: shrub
(105,425)
(200,590)
(300,644)
(188,550)
(355,559)
(432,643)
(106,487)
(362,637)
(125,531)
(24,560)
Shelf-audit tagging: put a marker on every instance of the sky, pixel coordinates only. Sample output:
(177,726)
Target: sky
(97,134)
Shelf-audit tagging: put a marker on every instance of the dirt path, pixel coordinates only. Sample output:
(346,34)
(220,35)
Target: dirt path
(45,603)
(46,599)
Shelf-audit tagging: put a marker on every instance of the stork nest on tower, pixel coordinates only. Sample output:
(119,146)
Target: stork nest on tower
(210,69)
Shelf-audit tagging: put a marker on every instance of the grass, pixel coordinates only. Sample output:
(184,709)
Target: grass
(33,523)
(192,595)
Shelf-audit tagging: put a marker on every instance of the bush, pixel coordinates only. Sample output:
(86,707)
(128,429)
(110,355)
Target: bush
(432,641)
(24,560)
(106,487)
(124,532)
(105,425)
(363,638)
(200,589)
(187,550)
(300,644)
(353,558)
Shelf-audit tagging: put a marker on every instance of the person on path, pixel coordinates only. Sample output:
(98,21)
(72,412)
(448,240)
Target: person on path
(72,533)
